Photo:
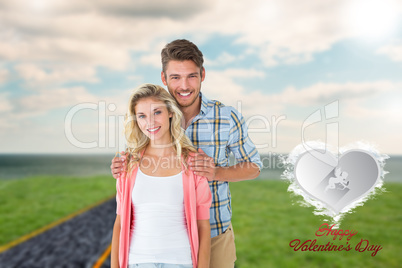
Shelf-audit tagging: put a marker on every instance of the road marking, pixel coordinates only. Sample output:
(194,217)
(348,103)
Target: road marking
(53,224)
(102,258)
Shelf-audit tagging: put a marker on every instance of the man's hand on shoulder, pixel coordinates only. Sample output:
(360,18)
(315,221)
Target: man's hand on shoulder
(118,165)
(203,165)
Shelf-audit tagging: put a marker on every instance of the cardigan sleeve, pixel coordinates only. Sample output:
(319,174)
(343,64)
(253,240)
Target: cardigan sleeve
(204,198)
(119,194)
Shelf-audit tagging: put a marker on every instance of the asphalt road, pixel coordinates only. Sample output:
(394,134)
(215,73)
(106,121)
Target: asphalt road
(78,242)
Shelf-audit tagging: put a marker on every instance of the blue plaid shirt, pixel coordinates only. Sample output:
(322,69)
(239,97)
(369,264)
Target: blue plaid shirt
(219,130)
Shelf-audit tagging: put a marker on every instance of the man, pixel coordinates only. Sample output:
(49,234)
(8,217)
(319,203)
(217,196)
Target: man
(216,130)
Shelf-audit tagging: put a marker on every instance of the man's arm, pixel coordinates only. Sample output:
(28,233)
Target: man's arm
(239,172)
(203,165)
(244,150)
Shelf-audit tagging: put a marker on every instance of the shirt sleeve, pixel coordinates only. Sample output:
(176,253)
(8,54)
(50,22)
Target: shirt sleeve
(204,198)
(239,142)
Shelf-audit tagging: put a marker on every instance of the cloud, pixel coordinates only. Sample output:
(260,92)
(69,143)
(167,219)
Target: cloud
(160,8)
(4,74)
(384,107)
(328,92)
(242,73)
(277,118)
(18,111)
(223,59)
(46,100)
(393,51)
(108,33)
(153,56)
(142,8)
(281,32)
(66,51)
(222,86)
(35,76)
(104,33)
(92,39)
(50,43)
(5,104)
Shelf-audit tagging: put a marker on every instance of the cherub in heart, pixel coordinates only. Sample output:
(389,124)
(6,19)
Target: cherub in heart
(339,179)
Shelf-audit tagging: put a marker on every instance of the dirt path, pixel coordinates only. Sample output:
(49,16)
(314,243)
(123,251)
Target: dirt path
(78,242)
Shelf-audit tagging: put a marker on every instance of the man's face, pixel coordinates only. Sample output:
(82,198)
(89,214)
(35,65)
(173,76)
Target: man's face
(183,80)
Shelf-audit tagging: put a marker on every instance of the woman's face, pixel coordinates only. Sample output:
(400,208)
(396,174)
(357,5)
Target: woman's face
(153,119)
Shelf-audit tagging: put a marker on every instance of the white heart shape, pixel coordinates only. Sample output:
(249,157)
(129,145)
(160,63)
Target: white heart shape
(337,185)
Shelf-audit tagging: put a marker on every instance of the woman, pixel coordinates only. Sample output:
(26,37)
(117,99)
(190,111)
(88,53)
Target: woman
(162,207)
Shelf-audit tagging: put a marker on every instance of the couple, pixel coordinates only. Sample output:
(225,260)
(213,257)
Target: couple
(166,216)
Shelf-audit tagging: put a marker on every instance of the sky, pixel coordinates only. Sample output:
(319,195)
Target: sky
(297,70)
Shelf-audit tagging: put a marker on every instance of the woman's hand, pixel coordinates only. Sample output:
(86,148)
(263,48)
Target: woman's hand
(118,165)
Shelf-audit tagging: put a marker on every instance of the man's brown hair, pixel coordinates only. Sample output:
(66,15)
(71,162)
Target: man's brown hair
(181,50)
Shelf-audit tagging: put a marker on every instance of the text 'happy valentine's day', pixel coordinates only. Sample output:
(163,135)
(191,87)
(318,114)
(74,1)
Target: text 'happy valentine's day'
(326,230)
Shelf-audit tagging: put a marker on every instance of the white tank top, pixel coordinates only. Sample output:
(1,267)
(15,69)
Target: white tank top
(160,228)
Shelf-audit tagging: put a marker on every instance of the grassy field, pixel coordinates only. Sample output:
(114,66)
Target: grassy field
(31,203)
(264,220)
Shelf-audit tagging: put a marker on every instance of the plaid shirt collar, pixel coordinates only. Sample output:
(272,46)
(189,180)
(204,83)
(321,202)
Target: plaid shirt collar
(204,104)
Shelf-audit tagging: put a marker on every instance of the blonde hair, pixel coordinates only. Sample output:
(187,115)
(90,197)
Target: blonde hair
(137,141)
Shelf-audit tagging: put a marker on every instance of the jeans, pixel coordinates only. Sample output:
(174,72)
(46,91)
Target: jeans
(160,265)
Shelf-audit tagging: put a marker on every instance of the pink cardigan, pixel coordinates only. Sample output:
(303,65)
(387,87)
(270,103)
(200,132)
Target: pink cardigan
(197,201)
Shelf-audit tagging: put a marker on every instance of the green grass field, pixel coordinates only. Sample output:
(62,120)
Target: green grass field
(265,222)
(31,203)
(264,218)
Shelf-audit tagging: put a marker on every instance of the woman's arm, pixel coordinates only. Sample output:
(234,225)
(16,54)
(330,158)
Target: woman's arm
(204,198)
(114,262)
(204,251)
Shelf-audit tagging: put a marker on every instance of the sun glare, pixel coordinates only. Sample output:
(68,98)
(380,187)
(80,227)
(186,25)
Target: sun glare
(266,11)
(39,5)
(373,18)
(394,109)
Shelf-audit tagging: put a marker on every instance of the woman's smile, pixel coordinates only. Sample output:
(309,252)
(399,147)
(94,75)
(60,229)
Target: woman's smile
(153,119)
(153,130)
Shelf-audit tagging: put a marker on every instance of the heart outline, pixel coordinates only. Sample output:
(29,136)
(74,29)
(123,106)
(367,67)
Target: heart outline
(325,200)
